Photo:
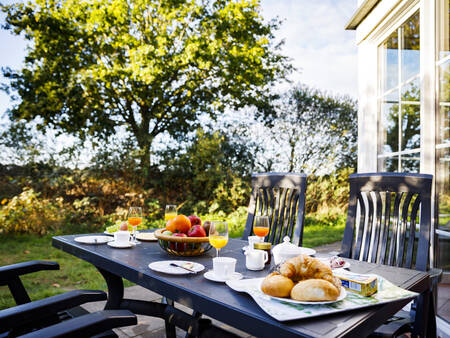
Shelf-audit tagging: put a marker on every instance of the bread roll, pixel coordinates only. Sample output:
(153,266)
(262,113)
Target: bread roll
(312,290)
(277,285)
(305,267)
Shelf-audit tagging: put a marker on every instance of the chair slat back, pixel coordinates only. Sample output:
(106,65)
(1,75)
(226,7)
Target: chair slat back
(382,219)
(280,196)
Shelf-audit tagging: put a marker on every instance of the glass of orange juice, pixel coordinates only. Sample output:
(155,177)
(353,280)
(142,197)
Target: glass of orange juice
(218,235)
(261,227)
(171,212)
(134,219)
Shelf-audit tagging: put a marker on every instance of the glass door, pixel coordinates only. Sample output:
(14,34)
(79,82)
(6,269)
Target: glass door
(443,137)
(399,99)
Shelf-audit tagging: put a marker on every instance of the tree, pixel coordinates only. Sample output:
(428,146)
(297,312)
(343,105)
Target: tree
(315,131)
(152,66)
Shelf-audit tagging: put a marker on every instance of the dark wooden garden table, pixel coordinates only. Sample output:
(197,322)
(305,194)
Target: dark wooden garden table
(218,301)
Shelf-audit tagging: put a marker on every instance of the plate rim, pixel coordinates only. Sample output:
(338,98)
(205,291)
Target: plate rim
(209,272)
(130,245)
(181,271)
(154,239)
(106,239)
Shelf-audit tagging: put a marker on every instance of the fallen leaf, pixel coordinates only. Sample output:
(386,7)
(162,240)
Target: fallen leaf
(56,285)
(26,252)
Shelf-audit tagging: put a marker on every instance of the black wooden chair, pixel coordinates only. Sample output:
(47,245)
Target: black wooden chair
(392,227)
(281,196)
(52,316)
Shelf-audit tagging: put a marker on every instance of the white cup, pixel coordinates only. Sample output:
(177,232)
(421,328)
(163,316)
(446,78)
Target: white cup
(122,237)
(256,259)
(252,240)
(223,267)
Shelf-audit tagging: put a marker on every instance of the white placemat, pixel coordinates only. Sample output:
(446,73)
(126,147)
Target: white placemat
(282,310)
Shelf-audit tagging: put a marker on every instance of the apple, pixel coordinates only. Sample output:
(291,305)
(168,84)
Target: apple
(179,234)
(178,246)
(123,226)
(195,220)
(196,231)
(206,226)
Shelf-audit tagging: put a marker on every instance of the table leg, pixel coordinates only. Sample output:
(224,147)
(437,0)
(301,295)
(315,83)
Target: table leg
(115,289)
(196,315)
(170,328)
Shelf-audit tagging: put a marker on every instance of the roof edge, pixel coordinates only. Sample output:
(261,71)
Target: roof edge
(361,13)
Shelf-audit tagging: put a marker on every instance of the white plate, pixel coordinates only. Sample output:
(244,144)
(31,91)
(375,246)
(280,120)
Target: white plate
(112,233)
(305,251)
(146,236)
(93,239)
(326,260)
(114,244)
(212,276)
(164,266)
(342,295)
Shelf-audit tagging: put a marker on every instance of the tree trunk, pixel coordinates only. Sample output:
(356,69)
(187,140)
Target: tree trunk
(292,156)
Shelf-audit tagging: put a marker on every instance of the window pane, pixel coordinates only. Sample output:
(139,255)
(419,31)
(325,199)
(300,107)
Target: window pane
(389,164)
(389,53)
(444,117)
(410,48)
(410,126)
(443,195)
(389,121)
(443,28)
(411,90)
(410,163)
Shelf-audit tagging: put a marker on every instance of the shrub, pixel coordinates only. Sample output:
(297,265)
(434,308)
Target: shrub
(26,213)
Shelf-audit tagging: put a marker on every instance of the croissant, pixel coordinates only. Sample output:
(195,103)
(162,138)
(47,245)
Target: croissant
(305,267)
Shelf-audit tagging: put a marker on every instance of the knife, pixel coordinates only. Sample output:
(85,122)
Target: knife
(180,266)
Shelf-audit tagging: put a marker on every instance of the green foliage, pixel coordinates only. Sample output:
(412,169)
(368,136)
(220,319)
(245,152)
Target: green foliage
(328,193)
(151,67)
(211,174)
(27,213)
(311,131)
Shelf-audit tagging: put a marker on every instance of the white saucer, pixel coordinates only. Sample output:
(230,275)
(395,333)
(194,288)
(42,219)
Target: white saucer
(93,239)
(212,276)
(114,244)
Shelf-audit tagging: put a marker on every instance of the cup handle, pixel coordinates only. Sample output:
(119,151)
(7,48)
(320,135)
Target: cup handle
(266,256)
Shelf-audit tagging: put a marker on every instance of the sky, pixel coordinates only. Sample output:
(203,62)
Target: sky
(321,50)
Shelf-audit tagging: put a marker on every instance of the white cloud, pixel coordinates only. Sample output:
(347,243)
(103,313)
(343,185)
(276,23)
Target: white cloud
(322,51)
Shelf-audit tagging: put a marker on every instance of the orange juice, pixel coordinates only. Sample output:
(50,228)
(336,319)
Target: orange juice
(218,241)
(169,216)
(261,231)
(134,221)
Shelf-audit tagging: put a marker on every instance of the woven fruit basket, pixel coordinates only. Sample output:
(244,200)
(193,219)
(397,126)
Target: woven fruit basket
(182,246)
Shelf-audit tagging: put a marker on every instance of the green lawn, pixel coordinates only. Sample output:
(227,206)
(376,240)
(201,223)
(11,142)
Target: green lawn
(77,274)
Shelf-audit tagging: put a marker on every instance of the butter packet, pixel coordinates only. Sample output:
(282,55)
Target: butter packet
(364,285)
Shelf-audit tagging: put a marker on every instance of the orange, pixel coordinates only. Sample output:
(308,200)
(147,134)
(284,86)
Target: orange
(170,226)
(180,223)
